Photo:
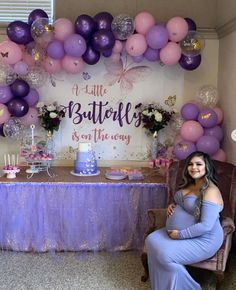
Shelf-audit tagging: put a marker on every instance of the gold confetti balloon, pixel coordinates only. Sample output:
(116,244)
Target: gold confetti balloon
(193,44)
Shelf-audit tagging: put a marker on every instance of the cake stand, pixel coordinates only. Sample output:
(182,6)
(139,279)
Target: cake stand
(37,166)
(11,173)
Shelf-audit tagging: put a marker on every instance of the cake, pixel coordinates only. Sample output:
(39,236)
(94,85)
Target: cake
(85,162)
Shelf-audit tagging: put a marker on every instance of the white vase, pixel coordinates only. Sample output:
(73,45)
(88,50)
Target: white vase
(50,145)
(154,148)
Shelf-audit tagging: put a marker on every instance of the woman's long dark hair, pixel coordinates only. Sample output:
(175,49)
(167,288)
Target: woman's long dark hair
(210,176)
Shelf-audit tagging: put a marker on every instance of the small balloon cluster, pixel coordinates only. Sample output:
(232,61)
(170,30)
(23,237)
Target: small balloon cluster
(201,129)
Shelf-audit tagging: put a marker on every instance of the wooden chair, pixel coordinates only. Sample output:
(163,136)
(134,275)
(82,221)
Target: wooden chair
(226,173)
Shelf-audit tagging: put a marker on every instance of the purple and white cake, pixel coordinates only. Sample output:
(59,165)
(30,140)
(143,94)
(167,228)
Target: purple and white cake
(85,162)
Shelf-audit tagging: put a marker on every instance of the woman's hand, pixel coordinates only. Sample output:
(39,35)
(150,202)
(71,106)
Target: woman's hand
(173,234)
(170,209)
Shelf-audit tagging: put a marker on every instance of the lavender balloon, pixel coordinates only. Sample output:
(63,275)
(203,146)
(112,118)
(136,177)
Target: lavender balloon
(103,40)
(21,68)
(36,14)
(85,26)
(18,107)
(138,58)
(208,144)
(183,149)
(32,98)
(20,88)
(5,94)
(75,45)
(91,56)
(19,32)
(216,132)
(208,118)
(103,20)
(55,49)
(152,54)
(157,36)
(190,62)
(189,111)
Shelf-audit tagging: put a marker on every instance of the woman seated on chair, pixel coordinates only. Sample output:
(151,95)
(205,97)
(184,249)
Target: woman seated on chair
(193,232)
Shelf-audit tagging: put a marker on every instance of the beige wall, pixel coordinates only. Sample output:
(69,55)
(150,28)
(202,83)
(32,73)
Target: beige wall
(227,90)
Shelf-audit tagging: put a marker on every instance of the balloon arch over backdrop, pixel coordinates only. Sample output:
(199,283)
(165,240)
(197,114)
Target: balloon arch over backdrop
(36,49)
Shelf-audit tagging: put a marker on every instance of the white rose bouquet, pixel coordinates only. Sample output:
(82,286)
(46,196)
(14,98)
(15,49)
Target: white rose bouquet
(154,117)
(50,116)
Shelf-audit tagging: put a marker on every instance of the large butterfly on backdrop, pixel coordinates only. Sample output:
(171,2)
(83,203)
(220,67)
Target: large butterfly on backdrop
(123,74)
(170,101)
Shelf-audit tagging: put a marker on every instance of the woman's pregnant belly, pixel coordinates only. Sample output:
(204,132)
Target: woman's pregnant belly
(180,219)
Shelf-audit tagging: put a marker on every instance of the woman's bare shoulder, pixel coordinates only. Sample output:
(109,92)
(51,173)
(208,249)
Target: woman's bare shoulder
(213,194)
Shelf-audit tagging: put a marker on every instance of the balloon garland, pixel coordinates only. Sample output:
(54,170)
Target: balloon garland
(38,48)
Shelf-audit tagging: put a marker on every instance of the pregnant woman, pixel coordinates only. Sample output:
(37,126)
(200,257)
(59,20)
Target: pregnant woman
(193,232)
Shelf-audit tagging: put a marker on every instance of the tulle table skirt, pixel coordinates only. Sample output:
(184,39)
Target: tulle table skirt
(68,213)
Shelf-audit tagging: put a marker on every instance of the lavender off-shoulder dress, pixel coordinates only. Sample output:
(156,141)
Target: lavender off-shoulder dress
(198,241)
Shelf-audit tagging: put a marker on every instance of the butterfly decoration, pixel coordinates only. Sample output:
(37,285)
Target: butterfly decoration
(86,76)
(123,74)
(53,79)
(4,54)
(170,101)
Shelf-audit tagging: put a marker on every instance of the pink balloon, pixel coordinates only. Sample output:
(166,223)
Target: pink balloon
(220,155)
(170,54)
(28,59)
(10,52)
(143,22)
(52,66)
(220,115)
(73,65)
(191,131)
(4,114)
(136,44)
(117,48)
(31,118)
(63,28)
(177,28)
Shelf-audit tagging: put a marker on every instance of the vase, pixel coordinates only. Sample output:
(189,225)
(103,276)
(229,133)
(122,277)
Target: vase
(50,144)
(154,148)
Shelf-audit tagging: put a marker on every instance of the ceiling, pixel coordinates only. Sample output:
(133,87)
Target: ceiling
(208,14)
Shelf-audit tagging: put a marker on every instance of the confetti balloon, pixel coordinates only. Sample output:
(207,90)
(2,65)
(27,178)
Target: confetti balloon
(13,128)
(208,96)
(193,44)
(122,26)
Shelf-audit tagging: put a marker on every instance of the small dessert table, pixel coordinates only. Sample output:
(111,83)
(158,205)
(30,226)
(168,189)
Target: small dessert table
(70,213)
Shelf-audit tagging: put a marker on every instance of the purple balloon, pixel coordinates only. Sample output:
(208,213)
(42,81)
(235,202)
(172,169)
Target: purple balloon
(103,20)
(1,130)
(183,149)
(157,37)
(5,94)
(152,54)
(21,68)
(32,98)
(85,26)
(91,56)
(191,24)
(103,40)
(18,107)
(138,58)
(190,62)
(216,132)
(36,14)
(19,32)
(189,111)
(75,45)
(55,49)
(208,144)
(107,53)
(20,88)
(208,118)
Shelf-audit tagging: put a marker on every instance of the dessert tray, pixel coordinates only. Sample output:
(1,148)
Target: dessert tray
(115,176)
(36,166)
(84,174)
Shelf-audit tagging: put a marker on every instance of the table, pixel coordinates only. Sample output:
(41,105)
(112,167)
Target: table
(70,213)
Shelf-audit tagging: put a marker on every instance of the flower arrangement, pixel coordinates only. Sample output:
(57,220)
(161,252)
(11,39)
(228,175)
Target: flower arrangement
(154,117)
(50,116)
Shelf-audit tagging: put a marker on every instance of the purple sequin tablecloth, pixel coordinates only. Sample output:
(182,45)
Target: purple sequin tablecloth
(70,213)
